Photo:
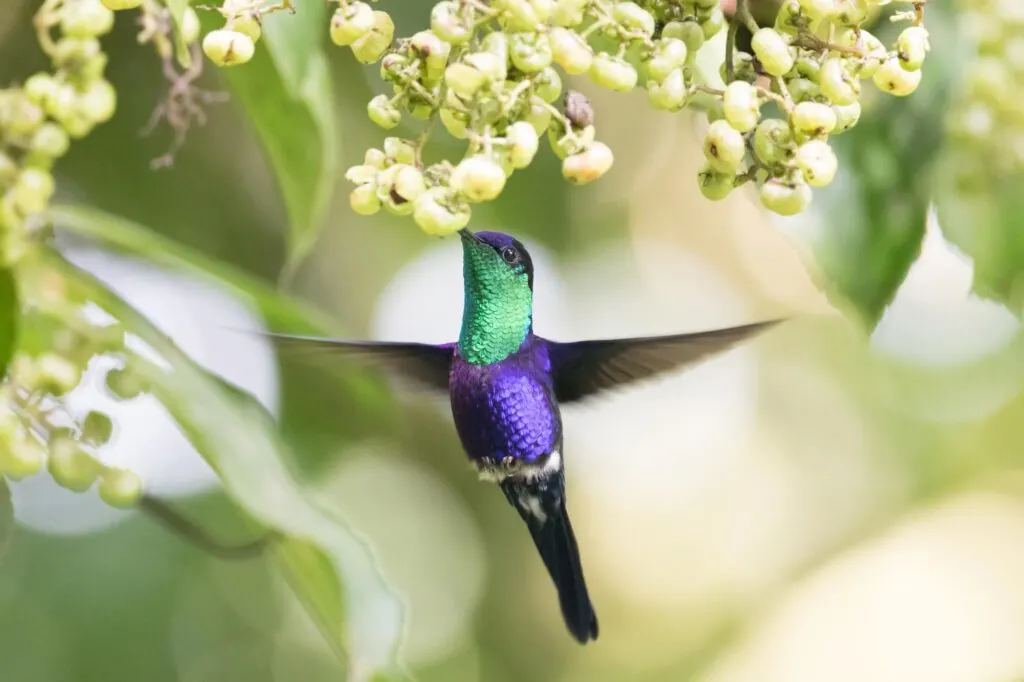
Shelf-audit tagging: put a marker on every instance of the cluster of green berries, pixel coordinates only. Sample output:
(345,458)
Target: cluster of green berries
(987,120)
(811,64)
(38,120)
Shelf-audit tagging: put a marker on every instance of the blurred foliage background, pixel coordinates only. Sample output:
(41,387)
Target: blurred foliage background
(841,500)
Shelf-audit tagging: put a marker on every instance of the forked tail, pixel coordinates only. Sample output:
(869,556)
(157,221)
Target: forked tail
(541,504)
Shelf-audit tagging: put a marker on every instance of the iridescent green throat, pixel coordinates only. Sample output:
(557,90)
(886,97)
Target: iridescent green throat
(498,309)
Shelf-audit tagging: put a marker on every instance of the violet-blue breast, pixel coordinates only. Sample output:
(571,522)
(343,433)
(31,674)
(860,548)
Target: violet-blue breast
(506,385)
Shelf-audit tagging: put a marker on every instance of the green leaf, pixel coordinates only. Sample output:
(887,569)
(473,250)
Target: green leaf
(876,212)
(286,92)
(332,573)
(177,9)
(6,519)
(8,317)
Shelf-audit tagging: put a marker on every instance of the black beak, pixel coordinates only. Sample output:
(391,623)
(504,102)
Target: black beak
(468,236)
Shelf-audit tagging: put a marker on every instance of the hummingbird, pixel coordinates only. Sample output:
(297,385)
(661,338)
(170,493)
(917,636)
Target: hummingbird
(506,385)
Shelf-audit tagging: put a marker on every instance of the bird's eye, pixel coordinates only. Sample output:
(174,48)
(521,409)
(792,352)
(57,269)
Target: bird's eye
(510,255)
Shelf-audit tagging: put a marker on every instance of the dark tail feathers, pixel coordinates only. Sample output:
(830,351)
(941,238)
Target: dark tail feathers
(541,504)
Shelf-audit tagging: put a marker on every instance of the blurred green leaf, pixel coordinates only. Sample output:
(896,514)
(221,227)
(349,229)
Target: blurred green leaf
(177,9)
(877,210)
(332,573)
(8,317)
(6,518)
(287,94)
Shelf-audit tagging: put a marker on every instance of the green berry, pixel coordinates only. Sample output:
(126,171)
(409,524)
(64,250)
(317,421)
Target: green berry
(689,32)
(126,383)
(23,457)
(118,5)
(70,466)
(723,147)
(190,26)
(530,52)
(50,141)
(837,83)
(784,197)
(57,374)
(372,46)
(818,162)
(772,51)
(39,88)
(773,141)
(349,24)
(570,51)
(363,199)
(809,68)
(539,117)
(819,9)
(32,191)
(894,79)
(120,488)
(434,51)
(247,23)
(23,117)
(853,12)
(447,22)
(589,164)
(670,94)
(523,142)
(713,24)
(523,15)
(669,55)
(228,48)
(634,18)
(715,185)
(568,13)
(363,174)
(876,53)
(439,212)
(376,158)
(912,46)
(614,73)
(478,178)
(455,122)
(98,102)
(846,117)
(398,150)
(408,182)
(382,112)
(548,85)
(813,118)
(491,64)
(740,106)
(86,19)
(803,90)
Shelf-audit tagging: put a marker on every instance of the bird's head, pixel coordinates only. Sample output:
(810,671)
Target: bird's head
(495,263)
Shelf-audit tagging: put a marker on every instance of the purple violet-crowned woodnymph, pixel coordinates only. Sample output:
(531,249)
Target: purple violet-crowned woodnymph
(506,384)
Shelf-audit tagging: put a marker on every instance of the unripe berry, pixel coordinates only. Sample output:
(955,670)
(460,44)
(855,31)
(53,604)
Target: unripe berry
(772,51)
(399,151)
(715,185)
(22,117)
(376,158)
(611,72)
(740,106)
(228,48)
(813,118)
(530,52)
(846,117)
(440,212)
(491,64)
(819,9)
(723,147)
(70,466)
(22,457)
(70,53)
(447,22)
(369,48)
(634,18)
(894,79)
(478,178)
(86,19)
(39,88)
(125,383)
(773,141)
(818,162)
(50,141)
(837,83)
(689,32)
(522,142)
(32,191)
(98,102)
(389,197)
(523,15)
(568,12)
(912,46)
(382,112)
(570,51)
(120,488)
(785,198)
(670,94)
(362,174)
(588,165)
(121,4)
(349,24)
(57,374)
(434,51)
(539,117)
(802,90)
(713,24)
(669,55)
(548,85)
(876,54)
(853,12)
(409,183)
(363,199)
(455,122)
(464,80)
(247,23)
(190,26)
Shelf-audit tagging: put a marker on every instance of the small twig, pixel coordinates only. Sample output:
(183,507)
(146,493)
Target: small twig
(190,532)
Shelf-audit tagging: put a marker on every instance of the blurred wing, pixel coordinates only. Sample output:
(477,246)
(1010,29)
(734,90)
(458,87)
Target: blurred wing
(583,368)
(423,363)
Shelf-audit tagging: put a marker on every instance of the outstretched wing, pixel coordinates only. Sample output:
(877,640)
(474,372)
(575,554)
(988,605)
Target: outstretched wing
(423,363)
(583,368)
